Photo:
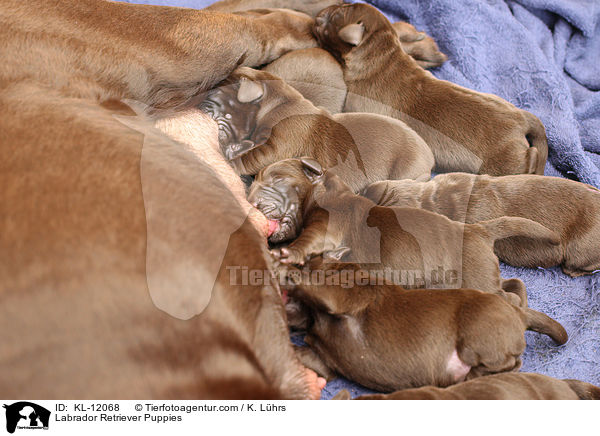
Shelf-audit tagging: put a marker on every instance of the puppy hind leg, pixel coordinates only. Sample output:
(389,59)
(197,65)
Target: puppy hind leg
(511,363)
(494,352)
(516,287)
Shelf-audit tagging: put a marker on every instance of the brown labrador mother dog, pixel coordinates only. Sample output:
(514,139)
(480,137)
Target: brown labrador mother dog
(504,386)
(262,120)
(571,209)
(319,212)
(115,244)
(388,338)
(466,130)
(320,78)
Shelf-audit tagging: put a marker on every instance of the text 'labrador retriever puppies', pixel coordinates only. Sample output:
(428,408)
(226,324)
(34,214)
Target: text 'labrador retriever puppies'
(318,212)
(466,130)
(571,209)
(388,338)
(263,120)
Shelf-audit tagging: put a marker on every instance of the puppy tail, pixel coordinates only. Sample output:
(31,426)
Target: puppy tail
(585,391)
(542,323)
(508,226)
(538,151)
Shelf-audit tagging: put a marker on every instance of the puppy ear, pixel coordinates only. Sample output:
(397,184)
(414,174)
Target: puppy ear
(336,254)
(233,151)
(312,169)
(352,33)
(249,90)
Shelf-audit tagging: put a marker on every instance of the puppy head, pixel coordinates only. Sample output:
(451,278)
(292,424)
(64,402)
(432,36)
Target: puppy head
(341,28)
(244,107)
(279,192)
(236,119)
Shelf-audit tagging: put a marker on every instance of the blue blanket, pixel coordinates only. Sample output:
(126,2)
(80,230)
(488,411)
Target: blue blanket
(542,56)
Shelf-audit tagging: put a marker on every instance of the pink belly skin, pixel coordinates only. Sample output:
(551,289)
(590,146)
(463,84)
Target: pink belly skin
(457,368)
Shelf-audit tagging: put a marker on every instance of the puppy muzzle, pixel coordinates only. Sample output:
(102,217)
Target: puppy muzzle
(280,210)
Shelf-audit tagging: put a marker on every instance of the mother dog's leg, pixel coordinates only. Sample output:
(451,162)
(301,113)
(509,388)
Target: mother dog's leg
(310,7)
(161,56)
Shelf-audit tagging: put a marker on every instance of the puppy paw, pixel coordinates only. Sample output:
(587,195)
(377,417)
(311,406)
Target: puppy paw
(289,255)
(420,46)
(287,275)
(315,384)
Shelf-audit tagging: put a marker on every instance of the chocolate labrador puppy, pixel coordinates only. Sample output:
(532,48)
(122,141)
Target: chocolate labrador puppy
(571,209)
(503,386)
(320,78)
(280,123)
(388,338)
(319,212)
(466,130)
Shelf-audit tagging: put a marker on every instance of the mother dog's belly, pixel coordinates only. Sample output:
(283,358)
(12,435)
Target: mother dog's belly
(199,132)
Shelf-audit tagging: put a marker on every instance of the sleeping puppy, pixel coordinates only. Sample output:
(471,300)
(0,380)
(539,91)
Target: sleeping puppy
(571,209)
(279,123)
(504,386)
(388,338)
(319,212)
(319,77)
(466,130)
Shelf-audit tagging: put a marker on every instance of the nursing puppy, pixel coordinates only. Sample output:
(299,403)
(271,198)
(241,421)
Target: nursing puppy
(318,212)
(280,123)
(319,77)
(504,386)
(388,338)
(466,130)
(569,208)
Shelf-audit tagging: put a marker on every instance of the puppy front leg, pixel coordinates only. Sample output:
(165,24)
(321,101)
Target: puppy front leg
(331,296)
(314,240)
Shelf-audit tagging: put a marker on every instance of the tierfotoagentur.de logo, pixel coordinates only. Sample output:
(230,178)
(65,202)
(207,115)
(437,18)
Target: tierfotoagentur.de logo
(24,415)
